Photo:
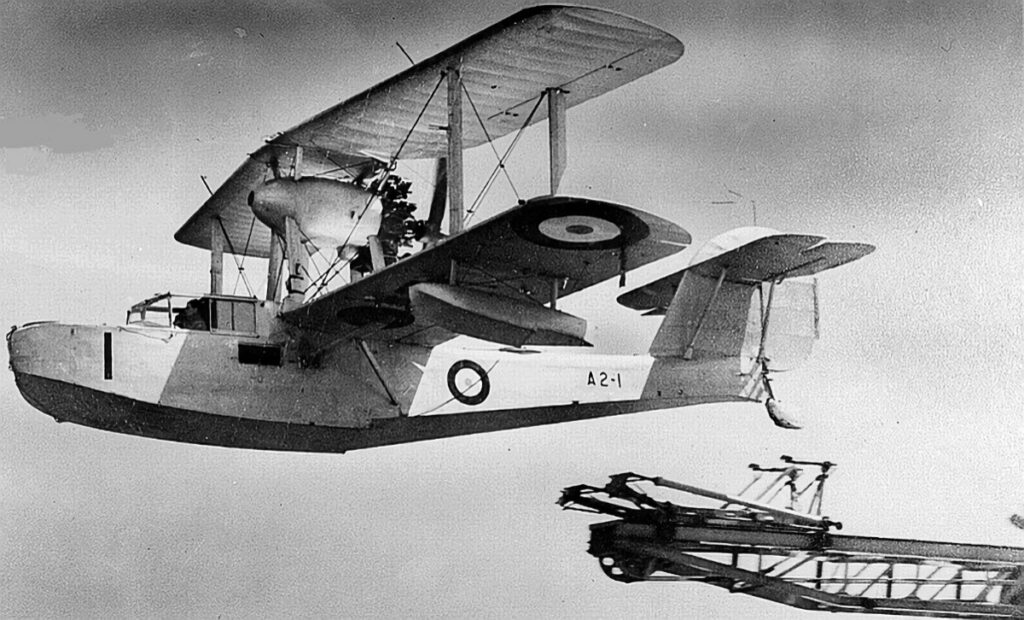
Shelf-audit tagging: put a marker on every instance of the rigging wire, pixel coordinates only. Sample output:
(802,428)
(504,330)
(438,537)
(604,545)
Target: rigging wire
(231,247)
(316,251)
(241,265)
(390,167)
(501,164)
(503,282)
(490,141)
(335,267)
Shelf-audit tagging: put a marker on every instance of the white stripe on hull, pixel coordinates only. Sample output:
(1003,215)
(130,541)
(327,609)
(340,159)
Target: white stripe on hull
(470,380)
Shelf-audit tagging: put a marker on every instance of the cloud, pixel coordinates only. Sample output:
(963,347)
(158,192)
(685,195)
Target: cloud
(26,161)
(58,133)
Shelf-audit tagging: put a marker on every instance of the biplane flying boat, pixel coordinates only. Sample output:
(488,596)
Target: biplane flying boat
(312,369)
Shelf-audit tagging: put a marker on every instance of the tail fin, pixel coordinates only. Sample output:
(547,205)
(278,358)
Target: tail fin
(732,301)
(701,324)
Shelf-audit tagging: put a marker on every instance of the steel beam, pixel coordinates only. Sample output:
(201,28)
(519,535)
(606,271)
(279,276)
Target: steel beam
(972,556)
(780,514)
(792,592)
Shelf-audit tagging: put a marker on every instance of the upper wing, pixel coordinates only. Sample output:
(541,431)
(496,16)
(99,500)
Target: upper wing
(546,246)
(505,70)
(766,259)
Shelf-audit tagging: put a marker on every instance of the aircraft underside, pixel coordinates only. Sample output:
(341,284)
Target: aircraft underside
(66,402)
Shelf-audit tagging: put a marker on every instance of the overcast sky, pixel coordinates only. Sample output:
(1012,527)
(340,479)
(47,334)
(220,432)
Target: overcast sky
(893,123)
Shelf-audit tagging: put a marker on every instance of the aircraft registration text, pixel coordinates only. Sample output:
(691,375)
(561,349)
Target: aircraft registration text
(604,379)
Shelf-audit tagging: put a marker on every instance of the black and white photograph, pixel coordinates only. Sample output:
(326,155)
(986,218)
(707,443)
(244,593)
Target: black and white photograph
(350,309)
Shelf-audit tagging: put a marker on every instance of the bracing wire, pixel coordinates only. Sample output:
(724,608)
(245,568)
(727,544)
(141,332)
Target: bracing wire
(501,164)
(394,158)
(241,264)
(336,266)
(316,251)
(231,247)
(490,141)
(373,194)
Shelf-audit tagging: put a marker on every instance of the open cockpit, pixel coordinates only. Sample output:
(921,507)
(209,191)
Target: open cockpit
(209,312)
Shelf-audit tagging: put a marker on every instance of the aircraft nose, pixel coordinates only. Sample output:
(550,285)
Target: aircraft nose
(22,346)
(36,358)
(16,349)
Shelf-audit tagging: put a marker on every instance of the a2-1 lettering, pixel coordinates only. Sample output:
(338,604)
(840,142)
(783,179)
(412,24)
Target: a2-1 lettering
(604,379)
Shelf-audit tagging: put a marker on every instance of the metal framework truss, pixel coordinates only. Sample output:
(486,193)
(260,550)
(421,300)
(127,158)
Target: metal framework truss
(793,558)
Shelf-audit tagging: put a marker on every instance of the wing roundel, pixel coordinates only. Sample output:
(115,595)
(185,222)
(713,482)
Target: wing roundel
(516,263)
(576,225)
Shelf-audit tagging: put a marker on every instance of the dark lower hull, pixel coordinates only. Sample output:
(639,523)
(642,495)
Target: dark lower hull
(72,403)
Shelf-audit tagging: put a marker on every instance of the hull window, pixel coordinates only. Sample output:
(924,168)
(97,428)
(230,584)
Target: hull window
(260,355)
(234,316)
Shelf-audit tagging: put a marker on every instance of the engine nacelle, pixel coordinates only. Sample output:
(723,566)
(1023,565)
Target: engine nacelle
(495,317)
(330,213)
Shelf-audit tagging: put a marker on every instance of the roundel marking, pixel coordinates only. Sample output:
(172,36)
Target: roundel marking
(578,229)
(468,382)
(579,224)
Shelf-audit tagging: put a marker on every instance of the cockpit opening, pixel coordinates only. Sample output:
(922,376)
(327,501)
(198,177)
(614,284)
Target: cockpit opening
(195,315)
(212,313)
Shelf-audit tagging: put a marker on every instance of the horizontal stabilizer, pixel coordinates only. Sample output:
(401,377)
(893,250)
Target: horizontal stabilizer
(768,258)
(718,307)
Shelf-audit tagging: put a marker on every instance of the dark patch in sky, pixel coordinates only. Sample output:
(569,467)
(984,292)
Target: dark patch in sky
(58,132)
(136,22)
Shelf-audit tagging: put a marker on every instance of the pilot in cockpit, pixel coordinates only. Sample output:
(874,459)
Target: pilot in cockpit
(192,316)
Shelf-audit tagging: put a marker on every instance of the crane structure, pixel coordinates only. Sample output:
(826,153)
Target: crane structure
(791,555)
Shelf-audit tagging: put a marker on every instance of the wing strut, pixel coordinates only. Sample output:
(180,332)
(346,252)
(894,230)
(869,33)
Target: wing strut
(298,263)
(500,168)
(556,136)
(380,374)
(454,151)
(274,264)
(216,258)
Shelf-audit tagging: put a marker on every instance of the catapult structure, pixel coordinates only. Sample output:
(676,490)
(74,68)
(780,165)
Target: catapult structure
(791,555)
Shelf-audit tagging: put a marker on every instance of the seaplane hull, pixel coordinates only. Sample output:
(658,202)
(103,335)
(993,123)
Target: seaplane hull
(66,402)
(181,386)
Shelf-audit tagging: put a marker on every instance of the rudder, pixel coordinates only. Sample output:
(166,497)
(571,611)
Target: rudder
(739,283)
